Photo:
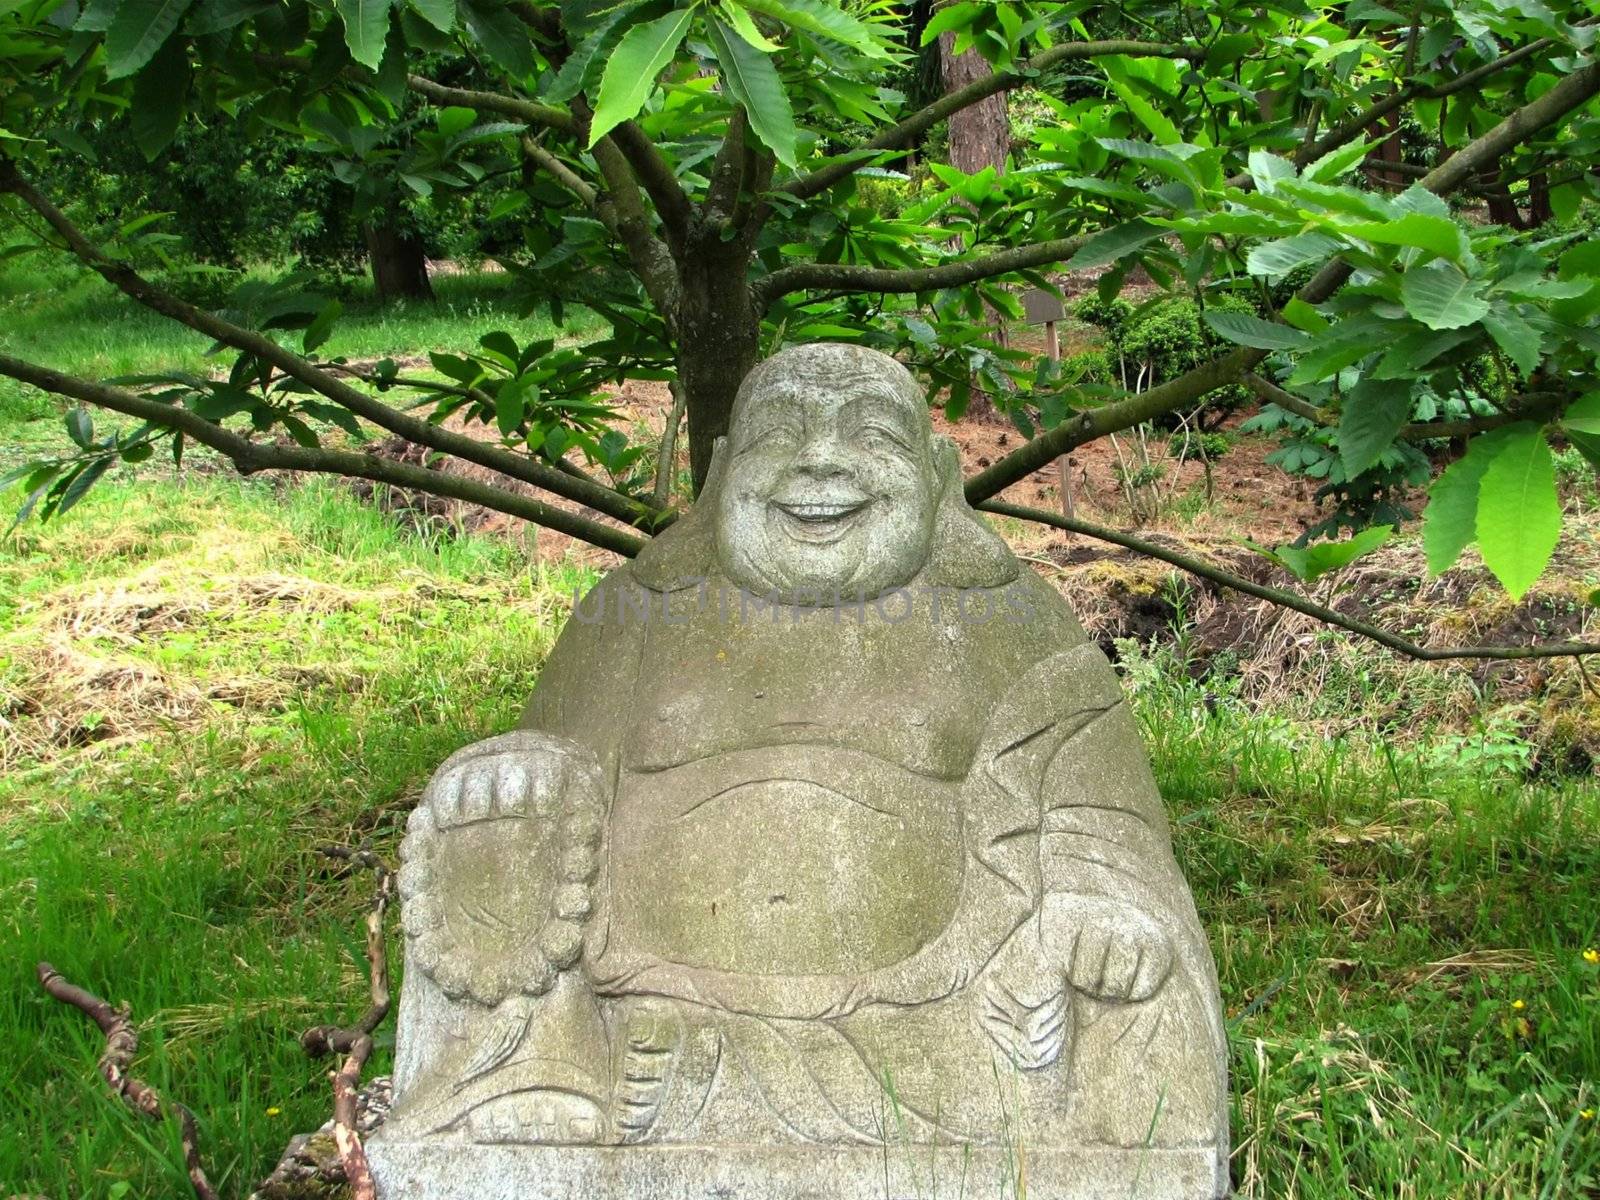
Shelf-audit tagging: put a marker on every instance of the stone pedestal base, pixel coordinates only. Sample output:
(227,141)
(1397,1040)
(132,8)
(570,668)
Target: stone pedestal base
(444,1171)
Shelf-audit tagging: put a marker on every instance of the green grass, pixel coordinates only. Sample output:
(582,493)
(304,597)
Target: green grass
(168,860)
(73,321)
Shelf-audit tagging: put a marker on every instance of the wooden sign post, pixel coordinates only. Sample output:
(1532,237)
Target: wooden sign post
(1040,307)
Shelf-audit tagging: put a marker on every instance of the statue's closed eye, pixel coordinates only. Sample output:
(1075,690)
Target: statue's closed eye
(770,437)
(874,431)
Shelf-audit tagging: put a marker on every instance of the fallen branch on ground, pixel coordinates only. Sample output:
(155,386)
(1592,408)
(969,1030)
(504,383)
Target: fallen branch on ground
(355,1041)
(122,1043)
(1281,596)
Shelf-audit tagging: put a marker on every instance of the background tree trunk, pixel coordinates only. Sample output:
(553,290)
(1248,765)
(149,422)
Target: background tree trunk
(980,134)
(719,338)
(399,266)
(979,137)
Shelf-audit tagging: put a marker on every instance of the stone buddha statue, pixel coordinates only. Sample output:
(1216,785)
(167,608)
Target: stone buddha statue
(826,856)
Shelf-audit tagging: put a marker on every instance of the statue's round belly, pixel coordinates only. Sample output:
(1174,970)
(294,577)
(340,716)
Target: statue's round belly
(785,876)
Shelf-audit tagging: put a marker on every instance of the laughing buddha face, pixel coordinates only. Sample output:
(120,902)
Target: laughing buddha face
(830,486)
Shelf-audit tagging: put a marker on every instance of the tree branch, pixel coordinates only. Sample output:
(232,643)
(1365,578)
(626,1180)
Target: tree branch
(1573,91)
(1353,127)
(667,454)
(355,1041)
(907,131)
(1282,597)
(122,1044)
(1414,431)
(845,277)
(652,259)
(425,433)
(250,457)
(728,169)
(497,102)
(655,174)
(563,174)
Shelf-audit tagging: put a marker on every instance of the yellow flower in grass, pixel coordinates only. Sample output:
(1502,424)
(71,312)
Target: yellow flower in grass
(1586,1114)
(1591,955)
(1518,1005)
(274,1111)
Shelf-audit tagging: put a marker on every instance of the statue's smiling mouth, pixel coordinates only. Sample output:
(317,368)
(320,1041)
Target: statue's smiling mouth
(819,520)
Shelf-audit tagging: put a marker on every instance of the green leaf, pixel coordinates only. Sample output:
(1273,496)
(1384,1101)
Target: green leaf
(1519,512)
(1582,259)
(754,82)
(631,72)
(441,14)
(140,28)
(1522,343)
(1268,170)
(96,16)
(508,203)
(366,29)
(1417,350)
(1441,297)
(578,72)
(1372,415)
(824,20)
(1109,245)
(85,479)
(1153,119)
(498,341)
(1437,235)
(1581,424)
(1308,563)
(1278,258)
(158,100)
(504,38)
(1253,331)
(1418,199)
(744,25)
(454,120)
(1304,316)
(215,16)
(80,427)
(1336,162)
(321,327)
(511,405)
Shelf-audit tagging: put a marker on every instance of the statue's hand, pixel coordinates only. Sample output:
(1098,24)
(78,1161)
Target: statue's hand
(1109,949)
(523,773)
(498,864)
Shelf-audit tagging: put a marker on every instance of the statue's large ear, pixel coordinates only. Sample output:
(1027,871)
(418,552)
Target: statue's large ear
(684,554)
(966,552)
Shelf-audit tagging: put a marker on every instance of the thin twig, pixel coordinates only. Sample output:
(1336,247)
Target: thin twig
(667,456)
(122,1044)
(1282,597)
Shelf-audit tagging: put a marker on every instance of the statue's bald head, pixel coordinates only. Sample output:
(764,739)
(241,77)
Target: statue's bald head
(831,484)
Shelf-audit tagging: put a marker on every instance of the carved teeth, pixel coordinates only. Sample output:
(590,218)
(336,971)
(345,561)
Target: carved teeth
(820,512)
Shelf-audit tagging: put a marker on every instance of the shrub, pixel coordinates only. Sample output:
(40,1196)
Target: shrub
(1152,343)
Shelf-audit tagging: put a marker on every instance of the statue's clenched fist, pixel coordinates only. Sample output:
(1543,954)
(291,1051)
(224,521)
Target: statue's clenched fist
(1108,949)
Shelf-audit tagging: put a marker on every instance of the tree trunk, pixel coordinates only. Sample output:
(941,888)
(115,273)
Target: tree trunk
(979,137)
(1539,210)
(980,134)
(1390,151)
(399,267)
(719,337)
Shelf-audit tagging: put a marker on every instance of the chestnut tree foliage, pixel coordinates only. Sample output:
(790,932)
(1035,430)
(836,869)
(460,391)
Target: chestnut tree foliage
(695,172)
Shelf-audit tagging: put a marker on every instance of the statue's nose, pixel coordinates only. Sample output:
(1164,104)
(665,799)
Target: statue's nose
(822,456)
